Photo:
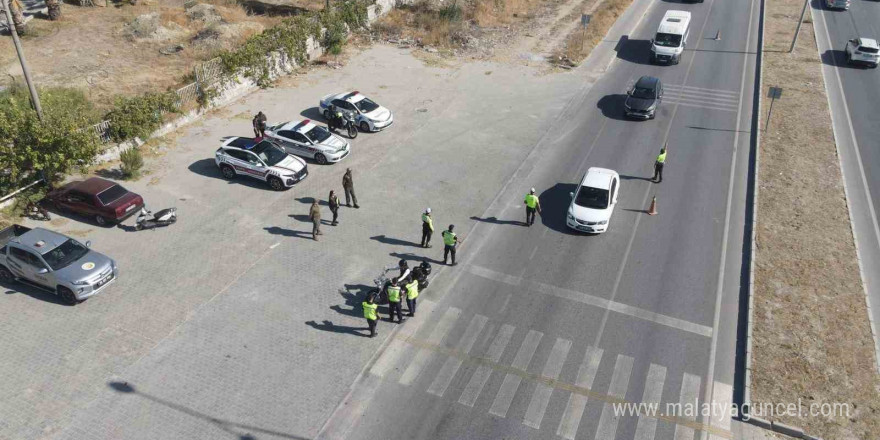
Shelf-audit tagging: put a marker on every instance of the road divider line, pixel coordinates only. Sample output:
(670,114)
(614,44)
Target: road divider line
(585,298)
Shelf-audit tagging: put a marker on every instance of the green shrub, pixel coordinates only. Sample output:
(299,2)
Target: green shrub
(139,116)
(132,162)
(32,149)
(450,12)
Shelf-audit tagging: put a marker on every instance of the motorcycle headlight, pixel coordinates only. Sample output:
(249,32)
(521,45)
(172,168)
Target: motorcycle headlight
(603,222)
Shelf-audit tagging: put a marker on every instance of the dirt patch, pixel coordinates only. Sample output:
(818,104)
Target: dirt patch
(812,341)
(128,50)
(579,43)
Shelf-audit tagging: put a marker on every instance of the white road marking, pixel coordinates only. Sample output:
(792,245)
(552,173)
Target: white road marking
(690,388)
(541,397)
(423,356)
(619,382)
(722,402)
(647,426)
(504,303)
(478,380)
(574,410)
(274,245)
(596,301)
(397,346)
(452,364)
(511,381)
(719,91)
(705,106)
(532,255)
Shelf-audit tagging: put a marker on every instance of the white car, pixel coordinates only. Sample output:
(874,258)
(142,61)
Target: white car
(306,139)
(260,160)
(368,116)
(594,201)
(863,51)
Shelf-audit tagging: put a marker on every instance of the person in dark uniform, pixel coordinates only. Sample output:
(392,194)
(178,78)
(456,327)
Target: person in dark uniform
(315,216)
(394,300)
(370,307)
(427,228)
(259,125)
(533,205)
(333,201)
(450,242)
(348,186)
(658,165)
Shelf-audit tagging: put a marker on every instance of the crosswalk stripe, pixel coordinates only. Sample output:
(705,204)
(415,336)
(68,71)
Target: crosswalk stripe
(722,401)
(493,354)
(511,381)
(690,388)
(712,94)
(619,381)
(703,106)
(423,356)
(452,364)
(574,410)
(701,101)
(699,98)
(719,91)
(398,345)
(653,392)
(541,397)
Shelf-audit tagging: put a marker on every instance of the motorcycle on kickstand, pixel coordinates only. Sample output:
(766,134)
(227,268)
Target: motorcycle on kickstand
(147,220)
(419,273)
(346,123)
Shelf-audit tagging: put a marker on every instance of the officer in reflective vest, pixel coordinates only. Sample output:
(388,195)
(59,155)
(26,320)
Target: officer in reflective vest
(450,241)
(393,292)
(658,165)
(370,307)
(412,293)
(533,205)
(427,228)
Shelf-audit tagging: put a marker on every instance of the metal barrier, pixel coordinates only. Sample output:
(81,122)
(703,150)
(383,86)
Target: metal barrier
(187,94)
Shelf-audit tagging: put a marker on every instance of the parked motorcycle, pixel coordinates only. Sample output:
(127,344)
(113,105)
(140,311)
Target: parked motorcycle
(347,123)
(419,273)
(147,220)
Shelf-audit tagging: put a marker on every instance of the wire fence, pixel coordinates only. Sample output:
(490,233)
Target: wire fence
(187,95)
(208,73)
(102,130)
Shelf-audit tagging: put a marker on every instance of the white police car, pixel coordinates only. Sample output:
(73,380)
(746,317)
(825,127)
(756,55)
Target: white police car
(306,139)
(368,116)
(260,159)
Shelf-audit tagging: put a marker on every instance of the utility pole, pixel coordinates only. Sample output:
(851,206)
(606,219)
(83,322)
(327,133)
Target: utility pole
(35,99)
(798,30)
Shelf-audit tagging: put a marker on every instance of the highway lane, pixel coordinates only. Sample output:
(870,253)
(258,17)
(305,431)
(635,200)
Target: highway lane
(853,95)
(538,331)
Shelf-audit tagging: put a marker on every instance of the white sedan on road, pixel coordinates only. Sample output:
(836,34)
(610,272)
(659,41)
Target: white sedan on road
(368,116)
(306,139)
(594,201)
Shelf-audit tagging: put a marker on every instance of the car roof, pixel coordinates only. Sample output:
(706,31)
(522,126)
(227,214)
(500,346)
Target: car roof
(301,126)
(674,22)
(92,185)
(351,97)
(240,142)
(647,82)
(41,240)
(598,178)
(868,42)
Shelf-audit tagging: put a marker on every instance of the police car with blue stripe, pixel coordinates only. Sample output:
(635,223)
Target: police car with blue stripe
(260,159)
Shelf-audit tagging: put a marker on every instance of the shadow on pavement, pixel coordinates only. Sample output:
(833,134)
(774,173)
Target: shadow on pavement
(835,58)
(33,292)
(329,326)
(554,205)
(634,51)
(309,200)
(625,177)
(413,257)
(240,430)
(275,230)
(496,221)
(301,217)
(354,295)
(207,168)
(313,113)
(612,107)
(395,241)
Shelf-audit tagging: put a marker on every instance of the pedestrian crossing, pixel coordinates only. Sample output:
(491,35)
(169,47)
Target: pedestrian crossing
(709,99)
(464,360)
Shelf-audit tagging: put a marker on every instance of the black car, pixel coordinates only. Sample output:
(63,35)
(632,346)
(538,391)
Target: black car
(644,98)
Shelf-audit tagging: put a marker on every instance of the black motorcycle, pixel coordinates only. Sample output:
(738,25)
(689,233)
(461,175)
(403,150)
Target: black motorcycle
(346,122)
(420,273)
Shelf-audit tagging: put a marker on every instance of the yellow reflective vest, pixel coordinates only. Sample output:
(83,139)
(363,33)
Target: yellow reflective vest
(412,290)
(531,201)
(393,294)
(661,158)
(448,238)
(370,310)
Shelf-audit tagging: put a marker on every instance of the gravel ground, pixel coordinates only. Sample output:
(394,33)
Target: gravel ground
(812,341)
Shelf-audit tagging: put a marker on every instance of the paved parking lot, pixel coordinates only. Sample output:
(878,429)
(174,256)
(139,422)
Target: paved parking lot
(233,323)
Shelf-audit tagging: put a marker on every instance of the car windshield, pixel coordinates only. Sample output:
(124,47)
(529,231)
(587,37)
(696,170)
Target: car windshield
(667,40)
(868,49)
(643,93)
(366,106)
(318,134)
(268,153)
(594,198)
(112,194)
(62,256)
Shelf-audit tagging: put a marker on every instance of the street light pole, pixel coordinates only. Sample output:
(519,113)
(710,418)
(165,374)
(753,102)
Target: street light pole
(798,30)
(35,99)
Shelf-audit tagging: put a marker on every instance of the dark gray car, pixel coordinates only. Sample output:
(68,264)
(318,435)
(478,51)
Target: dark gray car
(644,98)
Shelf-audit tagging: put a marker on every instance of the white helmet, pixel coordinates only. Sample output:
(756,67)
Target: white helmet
(533,190)
(428,211)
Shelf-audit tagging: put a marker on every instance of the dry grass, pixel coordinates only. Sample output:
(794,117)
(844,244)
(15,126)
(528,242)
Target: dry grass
(86,48)
(579,44)
(812,339)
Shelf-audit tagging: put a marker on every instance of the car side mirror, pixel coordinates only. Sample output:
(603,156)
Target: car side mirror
(629,93)
(88,243)
(571,194)
(42,271)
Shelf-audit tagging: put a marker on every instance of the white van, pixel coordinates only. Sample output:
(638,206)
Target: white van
(671,38)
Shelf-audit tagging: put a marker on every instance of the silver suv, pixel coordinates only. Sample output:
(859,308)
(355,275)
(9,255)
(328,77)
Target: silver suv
(54,262)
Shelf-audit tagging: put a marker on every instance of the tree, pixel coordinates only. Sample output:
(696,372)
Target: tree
(54,7)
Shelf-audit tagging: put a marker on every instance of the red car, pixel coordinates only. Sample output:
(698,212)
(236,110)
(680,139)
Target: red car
(99,199)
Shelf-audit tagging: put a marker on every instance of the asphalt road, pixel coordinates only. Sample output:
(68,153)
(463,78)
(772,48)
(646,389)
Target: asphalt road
(539,330)
(853,94)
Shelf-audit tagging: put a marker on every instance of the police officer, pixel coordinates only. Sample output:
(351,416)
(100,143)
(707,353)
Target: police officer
(259,123)
(370,307)
(412,293)
(658,165)
(533,205)
(450,242)
(393,292)
(333,201)
(348,186)
(427,228)
(315,217)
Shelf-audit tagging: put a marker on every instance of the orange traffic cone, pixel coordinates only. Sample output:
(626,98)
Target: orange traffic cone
(653,209)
